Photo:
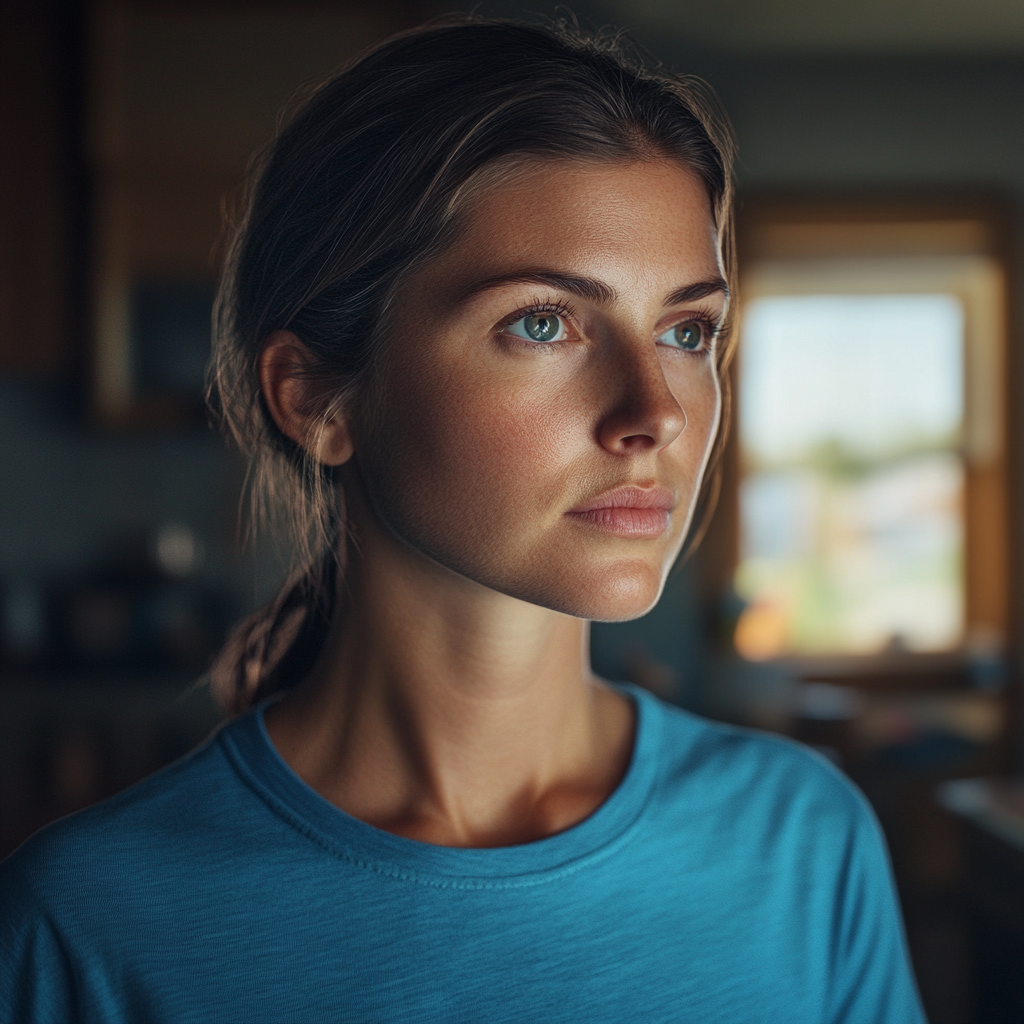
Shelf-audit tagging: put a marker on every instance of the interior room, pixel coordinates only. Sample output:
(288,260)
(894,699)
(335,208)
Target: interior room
(858,586)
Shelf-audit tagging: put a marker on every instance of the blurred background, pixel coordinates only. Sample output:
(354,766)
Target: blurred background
(858,589)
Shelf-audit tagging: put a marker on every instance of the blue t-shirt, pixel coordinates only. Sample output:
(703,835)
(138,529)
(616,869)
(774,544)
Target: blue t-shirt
(731,877)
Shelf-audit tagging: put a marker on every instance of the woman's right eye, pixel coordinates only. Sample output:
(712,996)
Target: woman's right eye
(539,327)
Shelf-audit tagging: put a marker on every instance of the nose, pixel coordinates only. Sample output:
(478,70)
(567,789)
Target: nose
(644,414)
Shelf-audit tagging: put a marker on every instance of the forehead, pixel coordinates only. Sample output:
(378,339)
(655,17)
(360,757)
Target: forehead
(653,214)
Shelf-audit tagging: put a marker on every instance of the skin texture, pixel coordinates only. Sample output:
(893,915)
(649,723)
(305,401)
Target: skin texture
(454,701)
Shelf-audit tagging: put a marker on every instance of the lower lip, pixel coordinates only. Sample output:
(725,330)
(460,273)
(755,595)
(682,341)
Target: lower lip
(625,522)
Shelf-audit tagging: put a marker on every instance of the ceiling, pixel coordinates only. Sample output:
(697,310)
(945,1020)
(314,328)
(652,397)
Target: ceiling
(833,26)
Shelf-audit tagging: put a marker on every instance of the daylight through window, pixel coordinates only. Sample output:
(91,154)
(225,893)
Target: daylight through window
(857,429)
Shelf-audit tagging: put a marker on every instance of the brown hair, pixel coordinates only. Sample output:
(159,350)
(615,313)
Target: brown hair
(362,186)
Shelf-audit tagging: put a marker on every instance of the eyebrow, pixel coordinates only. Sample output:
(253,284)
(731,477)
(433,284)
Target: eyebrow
(698,291)
(584,287)
(590,288)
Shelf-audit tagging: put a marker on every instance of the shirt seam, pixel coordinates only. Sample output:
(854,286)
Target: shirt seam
(283,810)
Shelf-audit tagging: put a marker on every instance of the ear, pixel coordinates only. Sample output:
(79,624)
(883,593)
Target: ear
(292,400)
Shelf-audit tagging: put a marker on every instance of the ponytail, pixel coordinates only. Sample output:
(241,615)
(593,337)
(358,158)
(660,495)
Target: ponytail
(278,645)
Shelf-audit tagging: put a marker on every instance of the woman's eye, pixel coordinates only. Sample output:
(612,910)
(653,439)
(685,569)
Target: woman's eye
(688,336)
(542,327)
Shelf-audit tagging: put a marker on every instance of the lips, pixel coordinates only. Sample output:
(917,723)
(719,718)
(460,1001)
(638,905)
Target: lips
(628,511)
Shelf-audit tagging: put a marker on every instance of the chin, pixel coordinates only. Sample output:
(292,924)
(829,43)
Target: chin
(609,594)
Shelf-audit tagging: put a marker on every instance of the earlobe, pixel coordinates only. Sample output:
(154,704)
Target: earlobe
(296,406)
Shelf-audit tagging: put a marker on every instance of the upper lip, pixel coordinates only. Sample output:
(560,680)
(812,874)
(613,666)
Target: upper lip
(630,496)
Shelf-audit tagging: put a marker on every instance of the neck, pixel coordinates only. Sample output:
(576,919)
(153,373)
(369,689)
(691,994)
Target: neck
(447,712)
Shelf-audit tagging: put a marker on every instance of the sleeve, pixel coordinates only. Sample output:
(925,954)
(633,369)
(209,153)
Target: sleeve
(873,979)
(36,978)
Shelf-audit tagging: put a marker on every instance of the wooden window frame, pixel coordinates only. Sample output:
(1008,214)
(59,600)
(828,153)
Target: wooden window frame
(775,226)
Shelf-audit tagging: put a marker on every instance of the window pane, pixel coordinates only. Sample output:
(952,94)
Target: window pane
(851,411)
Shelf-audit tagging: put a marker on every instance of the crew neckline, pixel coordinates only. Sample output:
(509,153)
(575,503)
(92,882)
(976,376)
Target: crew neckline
(254,756)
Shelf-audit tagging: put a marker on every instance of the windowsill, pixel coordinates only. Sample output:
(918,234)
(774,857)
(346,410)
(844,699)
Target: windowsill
(905,671)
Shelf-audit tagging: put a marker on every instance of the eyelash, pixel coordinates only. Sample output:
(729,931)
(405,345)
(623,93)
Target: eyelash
(711,324)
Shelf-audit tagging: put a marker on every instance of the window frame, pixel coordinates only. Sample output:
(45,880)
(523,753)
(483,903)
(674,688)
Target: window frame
(770,226)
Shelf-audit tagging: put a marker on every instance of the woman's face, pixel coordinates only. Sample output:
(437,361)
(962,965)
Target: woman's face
(549,398)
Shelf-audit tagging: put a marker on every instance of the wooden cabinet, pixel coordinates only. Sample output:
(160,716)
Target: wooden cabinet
(68,741)
(41,186)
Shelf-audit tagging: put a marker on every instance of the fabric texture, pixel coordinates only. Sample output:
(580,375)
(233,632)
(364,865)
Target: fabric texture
(731,877)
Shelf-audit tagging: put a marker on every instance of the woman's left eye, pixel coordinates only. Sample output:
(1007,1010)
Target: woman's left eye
(539,327)
(688,336)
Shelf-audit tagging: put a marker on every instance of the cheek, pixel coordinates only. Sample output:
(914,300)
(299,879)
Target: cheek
(458,461)
(708,408)
(698,392)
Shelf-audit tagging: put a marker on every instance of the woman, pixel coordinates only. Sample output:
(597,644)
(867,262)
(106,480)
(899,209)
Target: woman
(471,334)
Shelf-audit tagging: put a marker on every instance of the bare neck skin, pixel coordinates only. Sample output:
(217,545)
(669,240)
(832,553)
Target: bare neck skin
(448,713)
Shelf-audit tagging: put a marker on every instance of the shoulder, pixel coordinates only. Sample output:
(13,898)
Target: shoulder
(104,849)
(73,887)
(700,743)
(768,778)
(779,835)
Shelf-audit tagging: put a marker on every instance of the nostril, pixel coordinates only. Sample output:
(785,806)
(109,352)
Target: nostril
(637,441)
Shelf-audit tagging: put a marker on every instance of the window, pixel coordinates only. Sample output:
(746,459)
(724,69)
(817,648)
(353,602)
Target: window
(870,420)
